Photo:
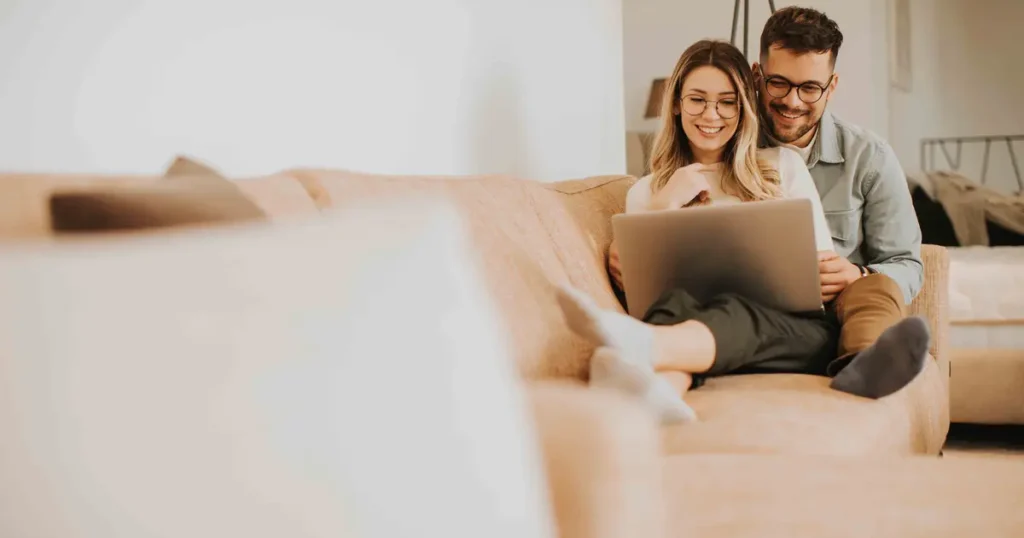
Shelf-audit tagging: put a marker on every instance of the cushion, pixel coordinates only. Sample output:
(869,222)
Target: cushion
(800,414)
(604,469)
(189,166)
(190,194)
(986,386)
(241,381)
(741,496)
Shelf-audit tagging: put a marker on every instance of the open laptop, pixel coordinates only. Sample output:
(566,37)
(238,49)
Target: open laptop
(764,251)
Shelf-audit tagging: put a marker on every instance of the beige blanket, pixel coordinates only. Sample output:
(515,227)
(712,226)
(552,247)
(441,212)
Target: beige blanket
(970,205)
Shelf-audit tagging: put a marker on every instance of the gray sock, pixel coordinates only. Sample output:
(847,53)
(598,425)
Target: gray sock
(890,364)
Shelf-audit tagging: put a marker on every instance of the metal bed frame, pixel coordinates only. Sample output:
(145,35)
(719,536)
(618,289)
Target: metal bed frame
(929,145)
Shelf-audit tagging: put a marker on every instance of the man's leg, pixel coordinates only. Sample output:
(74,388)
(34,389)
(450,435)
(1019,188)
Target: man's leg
(880,351)
(865,310)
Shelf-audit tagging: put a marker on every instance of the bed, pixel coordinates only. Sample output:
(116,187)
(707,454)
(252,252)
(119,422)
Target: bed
(983,228)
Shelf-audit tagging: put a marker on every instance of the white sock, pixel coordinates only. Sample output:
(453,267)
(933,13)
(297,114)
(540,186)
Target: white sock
(633,338)
(608,369)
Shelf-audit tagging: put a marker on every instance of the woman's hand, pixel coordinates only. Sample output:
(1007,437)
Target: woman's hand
(686,186)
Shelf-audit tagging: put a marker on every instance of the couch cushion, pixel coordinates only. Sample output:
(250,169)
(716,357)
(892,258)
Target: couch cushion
(800,414)
(189,166)
(741,496)
(279,196)
(987,386)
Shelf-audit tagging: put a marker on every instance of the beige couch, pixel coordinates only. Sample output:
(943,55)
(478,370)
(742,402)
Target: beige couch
(600,448)
(531,236)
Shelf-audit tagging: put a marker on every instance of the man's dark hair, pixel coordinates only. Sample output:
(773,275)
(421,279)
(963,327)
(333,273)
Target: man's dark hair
(801,30)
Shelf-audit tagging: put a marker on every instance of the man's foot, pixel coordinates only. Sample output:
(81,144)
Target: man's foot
(633,338)
(890,364)
(609,369)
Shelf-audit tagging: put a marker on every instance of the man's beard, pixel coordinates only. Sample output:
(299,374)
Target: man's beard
(772,132)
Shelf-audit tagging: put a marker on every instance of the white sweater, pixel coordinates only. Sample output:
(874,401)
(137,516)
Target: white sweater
(795,179)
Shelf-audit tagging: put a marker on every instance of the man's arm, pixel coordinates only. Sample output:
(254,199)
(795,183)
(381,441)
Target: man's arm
(892,235)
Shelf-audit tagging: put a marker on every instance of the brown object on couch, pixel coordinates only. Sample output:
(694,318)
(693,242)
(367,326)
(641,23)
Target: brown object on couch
(191,193)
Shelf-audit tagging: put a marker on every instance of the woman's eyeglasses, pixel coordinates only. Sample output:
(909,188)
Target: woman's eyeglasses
(695,105)
(808,92)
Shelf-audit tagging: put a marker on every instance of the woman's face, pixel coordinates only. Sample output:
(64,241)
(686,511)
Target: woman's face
(709,110)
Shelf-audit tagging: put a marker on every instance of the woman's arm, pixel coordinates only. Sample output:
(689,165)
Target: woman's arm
(686,186)
(638,198)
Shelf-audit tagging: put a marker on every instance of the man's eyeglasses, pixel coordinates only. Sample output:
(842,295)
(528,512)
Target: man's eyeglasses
(695,105)
(808,92)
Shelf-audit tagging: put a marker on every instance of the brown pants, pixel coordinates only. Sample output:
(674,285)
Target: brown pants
(865,310)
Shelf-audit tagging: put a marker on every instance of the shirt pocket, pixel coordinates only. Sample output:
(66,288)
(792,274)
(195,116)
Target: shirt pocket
(845,227)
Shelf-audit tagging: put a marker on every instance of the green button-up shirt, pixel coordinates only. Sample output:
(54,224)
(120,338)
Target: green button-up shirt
(867,204)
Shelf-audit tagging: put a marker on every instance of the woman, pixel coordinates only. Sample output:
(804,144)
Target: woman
(706,153)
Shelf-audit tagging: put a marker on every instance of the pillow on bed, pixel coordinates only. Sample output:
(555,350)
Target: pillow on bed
(937,228)
(191,193)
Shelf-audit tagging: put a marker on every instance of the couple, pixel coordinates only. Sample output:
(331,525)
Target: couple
(717,111)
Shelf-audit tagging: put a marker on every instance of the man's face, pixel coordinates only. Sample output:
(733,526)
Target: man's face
(791,117)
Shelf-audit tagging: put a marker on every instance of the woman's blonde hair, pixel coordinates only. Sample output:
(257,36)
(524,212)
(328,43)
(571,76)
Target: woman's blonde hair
(744,175)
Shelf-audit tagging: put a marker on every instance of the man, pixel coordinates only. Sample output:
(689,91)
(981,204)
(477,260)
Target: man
(876,270)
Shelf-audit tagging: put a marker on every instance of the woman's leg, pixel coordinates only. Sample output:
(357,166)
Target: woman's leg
(662,392)
(685,346)
(680,381)
(728,334)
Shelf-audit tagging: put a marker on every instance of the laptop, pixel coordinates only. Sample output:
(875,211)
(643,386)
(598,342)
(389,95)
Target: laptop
(764,251)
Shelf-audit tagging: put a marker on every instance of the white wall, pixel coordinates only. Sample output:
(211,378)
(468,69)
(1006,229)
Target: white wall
(658,31)
(967,80)
(532,87)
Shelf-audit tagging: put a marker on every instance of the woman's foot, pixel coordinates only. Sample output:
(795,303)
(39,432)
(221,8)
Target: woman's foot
(633,338)
(610,369)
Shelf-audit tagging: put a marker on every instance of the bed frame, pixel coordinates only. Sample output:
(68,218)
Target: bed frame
(929,146)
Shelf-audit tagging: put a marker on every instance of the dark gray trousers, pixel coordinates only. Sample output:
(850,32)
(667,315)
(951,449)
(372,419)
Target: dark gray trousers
(752,338)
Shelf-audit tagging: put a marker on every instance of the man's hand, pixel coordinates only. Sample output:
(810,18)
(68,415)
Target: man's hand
(686,185)
(614,269)
(836,274)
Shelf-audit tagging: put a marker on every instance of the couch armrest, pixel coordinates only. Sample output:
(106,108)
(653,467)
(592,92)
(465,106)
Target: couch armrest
(603,462)
(932,303)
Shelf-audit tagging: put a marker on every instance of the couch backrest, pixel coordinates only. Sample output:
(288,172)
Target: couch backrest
(528,238)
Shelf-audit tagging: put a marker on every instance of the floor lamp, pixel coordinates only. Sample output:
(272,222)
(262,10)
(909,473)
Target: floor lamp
(746,22)
(658,85)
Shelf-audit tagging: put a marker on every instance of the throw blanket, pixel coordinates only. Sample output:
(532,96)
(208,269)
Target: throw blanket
(970,205)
